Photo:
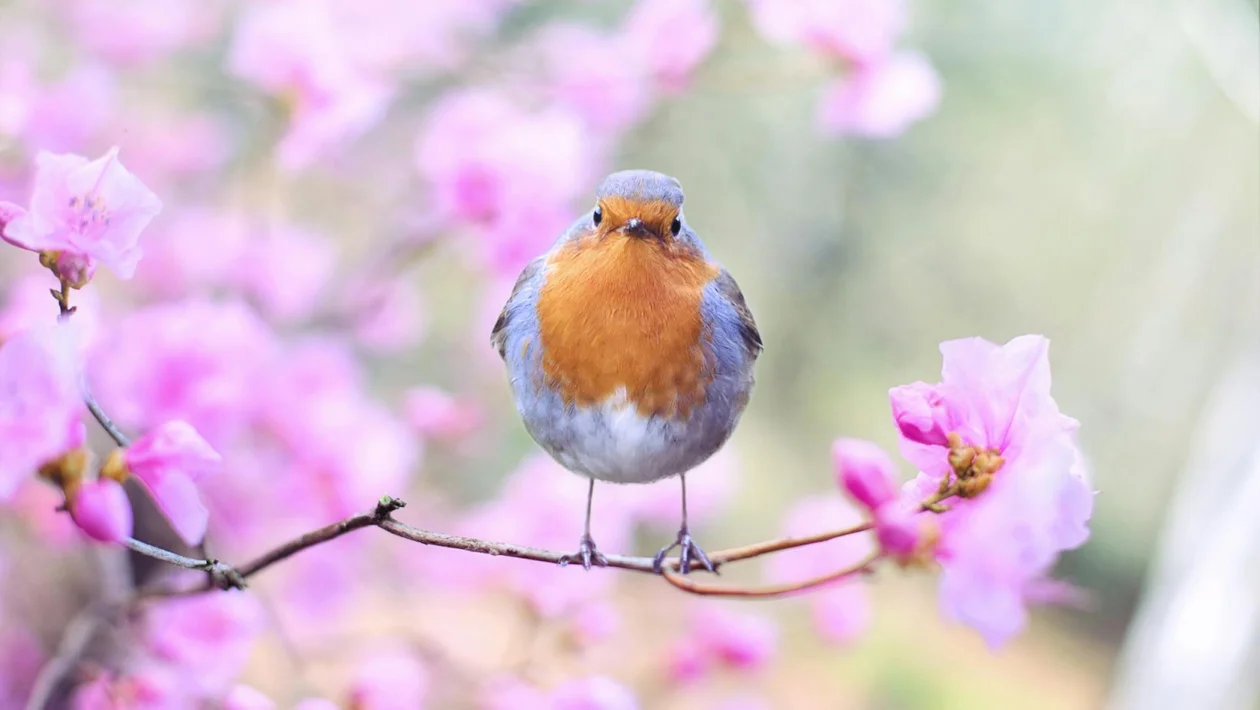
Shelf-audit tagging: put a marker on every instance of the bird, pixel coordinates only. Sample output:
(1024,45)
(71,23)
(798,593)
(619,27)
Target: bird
(628,349)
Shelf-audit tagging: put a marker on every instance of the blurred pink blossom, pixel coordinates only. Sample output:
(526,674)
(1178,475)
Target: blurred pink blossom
(998,547)
(670,38)
(864,471)
(100,508)
(507,174)
(197,360)
(41,401)
(65,115)
(208,638)
(414,37)
(168,459)
(297,49)
(17,95)
(436,414)
(741,702)
(144,689)
(193,249)
(37,502)
(139,31)
(316,704)
(882,99)
(95,209)
(20,661)
(596,621)
(841,610)
(244,697)
(587,71)
(172,145)
(286,268)
(593,693)
(389,679)
(857,31)
(507,693)
(388,316)
(740,640)
(28,305)
(687,660)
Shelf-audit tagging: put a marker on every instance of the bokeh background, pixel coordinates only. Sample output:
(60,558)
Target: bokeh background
(1091,172)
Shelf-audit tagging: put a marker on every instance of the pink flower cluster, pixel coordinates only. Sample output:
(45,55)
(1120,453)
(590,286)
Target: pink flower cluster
(883,90)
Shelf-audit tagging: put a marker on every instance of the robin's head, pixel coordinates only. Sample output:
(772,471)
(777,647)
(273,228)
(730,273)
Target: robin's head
(640,204)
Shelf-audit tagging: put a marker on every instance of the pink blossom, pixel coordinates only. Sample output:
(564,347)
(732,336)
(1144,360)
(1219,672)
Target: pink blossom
(742,641)
(671,38)
(687,660)
(593,693)
(436,414)
(883,99)
(17,95)
(999,542)
(244,697)
(196,360)
(841,610)
(297,48)
(100,508)
(173,145)
(167,460)
(21,659)
(193,249)
(146,689)
(864,471)
(68,113)
(40,401)
(595,622)
(209,637)
(286,268)
(588,72)
(390,679)
(503,172)
(415,37)
(27,305)
(140,31)
(388,316)
(858,31)
(94,209)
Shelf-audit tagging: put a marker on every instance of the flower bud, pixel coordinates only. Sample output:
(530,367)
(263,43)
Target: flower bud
(101,509)
(920,413)
(864,471)
(75,269)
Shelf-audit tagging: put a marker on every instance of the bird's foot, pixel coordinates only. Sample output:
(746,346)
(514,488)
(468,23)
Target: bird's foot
(586,554)
(688,552)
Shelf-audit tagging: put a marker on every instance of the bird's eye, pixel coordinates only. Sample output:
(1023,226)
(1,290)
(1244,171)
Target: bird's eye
(597,216)
(675,226)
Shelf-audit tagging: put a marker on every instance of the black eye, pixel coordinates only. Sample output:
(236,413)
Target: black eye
(597,216)
(675,226)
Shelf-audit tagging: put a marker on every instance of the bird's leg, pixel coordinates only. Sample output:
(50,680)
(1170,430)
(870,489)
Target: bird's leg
(587,554)
(688,550)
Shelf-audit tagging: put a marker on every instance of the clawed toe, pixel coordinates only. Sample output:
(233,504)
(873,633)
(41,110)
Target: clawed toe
(587,554)
(688,553)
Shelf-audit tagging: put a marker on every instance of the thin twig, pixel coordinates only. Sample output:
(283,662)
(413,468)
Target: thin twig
(777,590)
(106,423)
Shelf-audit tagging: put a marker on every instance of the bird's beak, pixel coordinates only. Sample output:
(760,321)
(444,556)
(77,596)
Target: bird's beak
(636,228)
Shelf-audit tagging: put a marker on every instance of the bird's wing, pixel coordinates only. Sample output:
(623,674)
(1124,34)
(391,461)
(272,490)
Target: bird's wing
(749,336)
(524,283)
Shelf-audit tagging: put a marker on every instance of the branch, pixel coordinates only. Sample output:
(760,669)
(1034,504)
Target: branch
(74,643)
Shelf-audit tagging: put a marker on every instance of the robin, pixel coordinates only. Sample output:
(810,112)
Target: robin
(630,351)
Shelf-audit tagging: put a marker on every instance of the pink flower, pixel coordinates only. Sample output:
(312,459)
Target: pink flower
(168,459)
(194,249)
(145,689)
(858,31)
(21,659)
(140,31)
(739,640)
(881,100)
(588,72)
(40,401)
(244,697)
(197,361)
(507,174)
(8,213)
(208,637)
(593,693)
(168,145)
(1013,456)
(297,48)
(436,414)
(841,610)
(286,269)
(671,38)
(100,508)
(388,316)
(390,679)
(687,660)
(864,471)
(17,94)
(67,114)
(93,209)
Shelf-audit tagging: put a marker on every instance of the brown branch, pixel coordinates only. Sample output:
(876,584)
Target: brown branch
(777,590)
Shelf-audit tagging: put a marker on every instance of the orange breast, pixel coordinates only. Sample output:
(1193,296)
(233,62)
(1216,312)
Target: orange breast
(620,312)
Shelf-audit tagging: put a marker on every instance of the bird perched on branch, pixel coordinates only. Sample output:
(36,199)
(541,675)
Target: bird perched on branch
(630,352)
